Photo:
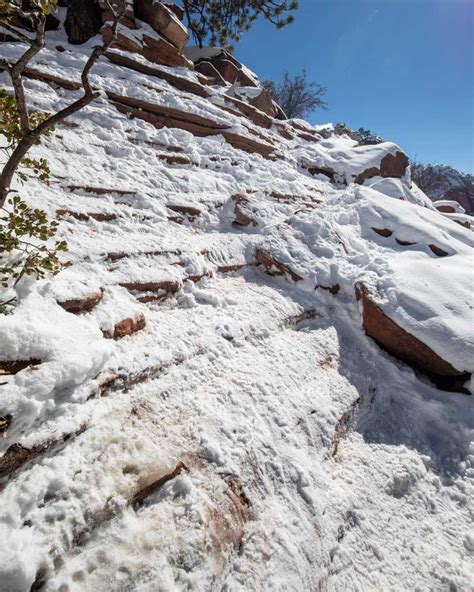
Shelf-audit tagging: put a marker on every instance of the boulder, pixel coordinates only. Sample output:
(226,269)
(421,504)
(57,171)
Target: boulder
(264,102)
(274,267)
(160,51)
(406,347)
(179,82)
(126,327)
(176,9)
(122,41)
(154,49)
(391,165)
(164,21)
(227,69)
(82,303)
(210,71)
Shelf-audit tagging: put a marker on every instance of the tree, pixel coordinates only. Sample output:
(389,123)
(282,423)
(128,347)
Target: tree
(363,136)
(425,176)
(24,231)
(296,95)
(83,20)
(32,128)
(218,22)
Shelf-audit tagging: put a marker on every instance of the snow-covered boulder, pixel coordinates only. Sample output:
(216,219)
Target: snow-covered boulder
(342,159)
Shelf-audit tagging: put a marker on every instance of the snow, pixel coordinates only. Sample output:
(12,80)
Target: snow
(358,475)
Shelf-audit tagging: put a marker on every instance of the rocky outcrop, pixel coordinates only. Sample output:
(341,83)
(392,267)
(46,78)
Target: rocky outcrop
(155,49)
(355,164)
(163,21)
(243,211)
(391,165)
(83,303)
(274,267)
(86,216)
(406,347)
(126,327)
(14,366)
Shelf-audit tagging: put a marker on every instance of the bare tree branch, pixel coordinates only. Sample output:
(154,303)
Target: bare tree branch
(30,136)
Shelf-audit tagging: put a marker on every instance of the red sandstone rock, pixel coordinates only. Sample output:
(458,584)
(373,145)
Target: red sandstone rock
(241,212)
(391,165)
(160,51)
(126,327)
(82,304)
(178,82)
(163,21)
(274,267)
(406,347)
(84,217)
(169,286)
(185,210)
(210,71)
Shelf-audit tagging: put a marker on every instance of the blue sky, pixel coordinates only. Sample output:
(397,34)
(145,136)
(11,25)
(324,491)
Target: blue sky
(401,68)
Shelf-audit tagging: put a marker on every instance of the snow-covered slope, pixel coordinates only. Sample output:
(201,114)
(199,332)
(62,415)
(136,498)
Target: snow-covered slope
(250,436)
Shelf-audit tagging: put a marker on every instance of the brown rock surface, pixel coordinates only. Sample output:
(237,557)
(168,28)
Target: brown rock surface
(82,304)
(406,347)
(163,21)
(126,327)
(241,213)
(161,51)
(391,165)
(274,267)
(178,82)
(14,366)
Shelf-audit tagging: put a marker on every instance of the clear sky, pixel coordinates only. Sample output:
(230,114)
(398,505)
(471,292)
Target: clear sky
(401,68)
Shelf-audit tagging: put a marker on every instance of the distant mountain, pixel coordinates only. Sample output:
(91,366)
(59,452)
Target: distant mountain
(441,181)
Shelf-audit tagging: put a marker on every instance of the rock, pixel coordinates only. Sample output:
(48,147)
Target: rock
(461,196)
(155,49)
(406,347)
(227,69)
(15,456)
(211,72)
(241,217)
(185,210)
(123,42)
(391,165)
(175,158)
(438,251)
(385,232)
(163,21)
(85,217)
(126,327)
(82,304)
(15,366)
(250,112)
(128,17)
(167,112)
(169,286)
(178,82)
(274,267)
(264,102)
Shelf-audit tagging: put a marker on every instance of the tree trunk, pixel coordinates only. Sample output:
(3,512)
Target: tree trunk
(83,20)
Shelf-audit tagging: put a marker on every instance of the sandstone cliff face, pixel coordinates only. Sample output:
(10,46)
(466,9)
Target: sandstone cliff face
(243,381)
